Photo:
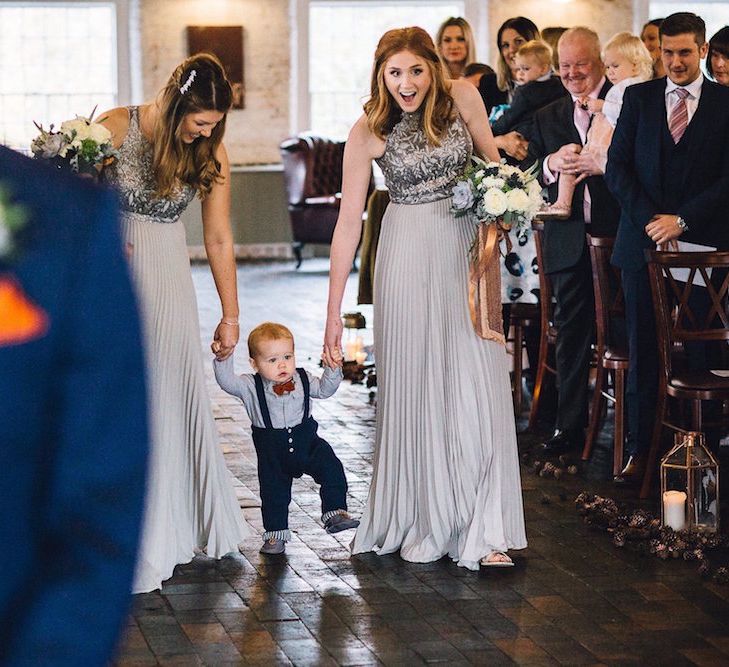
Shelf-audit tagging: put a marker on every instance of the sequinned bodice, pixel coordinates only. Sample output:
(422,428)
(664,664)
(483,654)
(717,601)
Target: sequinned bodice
(417,172)
(132,176)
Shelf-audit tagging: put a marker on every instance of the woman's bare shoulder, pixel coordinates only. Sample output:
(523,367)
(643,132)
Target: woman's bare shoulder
(464,93)
(117,122)
(466,98)
(366,141)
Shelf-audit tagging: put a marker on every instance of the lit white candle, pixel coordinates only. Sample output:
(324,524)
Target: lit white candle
(674,509)
(350,349)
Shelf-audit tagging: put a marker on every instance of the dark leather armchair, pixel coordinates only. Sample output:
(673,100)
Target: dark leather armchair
(313,178)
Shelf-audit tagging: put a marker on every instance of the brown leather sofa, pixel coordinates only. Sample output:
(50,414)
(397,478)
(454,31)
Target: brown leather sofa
(313,178)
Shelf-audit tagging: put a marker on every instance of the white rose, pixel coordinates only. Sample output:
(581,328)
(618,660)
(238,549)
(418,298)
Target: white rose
(479,173)
(495,202)
(99,133)
(493,182)
(518,200)
(77,125)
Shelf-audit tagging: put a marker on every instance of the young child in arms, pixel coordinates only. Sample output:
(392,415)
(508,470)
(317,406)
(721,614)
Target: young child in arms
(627,62)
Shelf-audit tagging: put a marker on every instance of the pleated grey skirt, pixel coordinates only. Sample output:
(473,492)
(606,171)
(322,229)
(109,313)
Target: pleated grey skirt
(446,471)
(190,502)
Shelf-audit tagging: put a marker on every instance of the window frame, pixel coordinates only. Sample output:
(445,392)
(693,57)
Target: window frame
(125,50)
(475,12)
(642,10)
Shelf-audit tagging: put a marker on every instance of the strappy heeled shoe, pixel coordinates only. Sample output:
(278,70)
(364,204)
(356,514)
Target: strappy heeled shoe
(492,560)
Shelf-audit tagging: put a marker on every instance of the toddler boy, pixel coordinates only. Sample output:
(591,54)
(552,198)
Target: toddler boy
(537,87)
(278,401)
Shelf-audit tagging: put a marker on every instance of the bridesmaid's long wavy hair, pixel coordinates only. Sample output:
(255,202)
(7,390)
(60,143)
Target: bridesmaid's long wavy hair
(176,163)
(383,112)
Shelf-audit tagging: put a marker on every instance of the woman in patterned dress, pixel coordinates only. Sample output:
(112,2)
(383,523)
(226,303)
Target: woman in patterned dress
(446,472)
(169,151)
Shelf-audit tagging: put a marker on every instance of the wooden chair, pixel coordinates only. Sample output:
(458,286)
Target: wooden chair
(313,179)
(610,356)
(672,276)
(548,332)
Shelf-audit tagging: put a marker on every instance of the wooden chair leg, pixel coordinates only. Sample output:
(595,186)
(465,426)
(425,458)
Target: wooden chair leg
(297,246)
(696,415)
(518,343)
(539,381)
(619,439)
(655,445)
(598,405)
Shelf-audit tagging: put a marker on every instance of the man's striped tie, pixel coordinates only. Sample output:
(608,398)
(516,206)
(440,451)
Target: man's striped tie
(678,121)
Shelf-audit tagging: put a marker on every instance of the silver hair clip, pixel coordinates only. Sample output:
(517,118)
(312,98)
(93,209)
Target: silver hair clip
(186,86)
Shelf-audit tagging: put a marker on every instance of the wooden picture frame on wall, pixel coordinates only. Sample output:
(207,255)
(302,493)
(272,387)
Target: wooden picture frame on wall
(225,42)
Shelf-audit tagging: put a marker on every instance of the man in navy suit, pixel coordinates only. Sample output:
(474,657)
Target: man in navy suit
(559,132)
(73,426)
(668,166)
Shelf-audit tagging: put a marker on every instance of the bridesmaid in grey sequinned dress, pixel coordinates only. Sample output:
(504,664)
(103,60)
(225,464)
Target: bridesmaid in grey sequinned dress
(171,150)
(446,473)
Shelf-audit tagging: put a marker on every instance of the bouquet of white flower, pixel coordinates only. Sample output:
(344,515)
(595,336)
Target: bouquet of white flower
(498,193)
(502,198)
(81,145)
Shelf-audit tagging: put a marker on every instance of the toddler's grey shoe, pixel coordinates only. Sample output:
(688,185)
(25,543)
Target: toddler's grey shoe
(273,546)
(339,522)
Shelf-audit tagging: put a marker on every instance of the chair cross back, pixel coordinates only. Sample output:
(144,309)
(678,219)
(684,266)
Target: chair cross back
(675,277)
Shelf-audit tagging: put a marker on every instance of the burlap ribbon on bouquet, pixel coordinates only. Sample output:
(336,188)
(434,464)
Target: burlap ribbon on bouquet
(484,286)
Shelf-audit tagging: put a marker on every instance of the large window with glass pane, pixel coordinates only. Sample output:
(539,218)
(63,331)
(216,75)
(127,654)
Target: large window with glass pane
(715,14)
(342,40)
(59,60)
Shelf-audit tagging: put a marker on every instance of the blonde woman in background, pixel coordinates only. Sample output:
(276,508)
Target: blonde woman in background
(456,45)
(171,150)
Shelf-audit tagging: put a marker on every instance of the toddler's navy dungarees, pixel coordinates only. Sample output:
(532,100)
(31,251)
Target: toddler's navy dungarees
(285,453)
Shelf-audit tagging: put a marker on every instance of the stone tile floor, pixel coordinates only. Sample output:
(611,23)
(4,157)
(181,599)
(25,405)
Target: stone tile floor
(572,598)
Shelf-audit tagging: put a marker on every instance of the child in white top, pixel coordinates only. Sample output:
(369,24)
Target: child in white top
(627,62)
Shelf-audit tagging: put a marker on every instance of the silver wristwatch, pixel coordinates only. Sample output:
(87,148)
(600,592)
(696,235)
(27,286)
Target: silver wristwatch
(682,224)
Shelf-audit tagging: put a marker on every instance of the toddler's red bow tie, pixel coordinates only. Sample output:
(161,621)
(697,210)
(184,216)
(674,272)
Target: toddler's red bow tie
(283,387)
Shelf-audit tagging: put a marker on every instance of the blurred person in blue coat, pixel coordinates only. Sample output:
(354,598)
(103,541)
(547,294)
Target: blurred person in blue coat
(73,423)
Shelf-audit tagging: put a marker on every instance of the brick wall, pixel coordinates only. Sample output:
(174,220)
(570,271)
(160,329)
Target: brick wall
(253,133)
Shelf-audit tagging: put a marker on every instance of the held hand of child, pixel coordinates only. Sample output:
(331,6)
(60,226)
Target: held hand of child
(592,105)
(332,358)
(562,160)
(337,356)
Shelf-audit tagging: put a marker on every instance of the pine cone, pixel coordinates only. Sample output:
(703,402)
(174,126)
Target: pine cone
(721,576)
